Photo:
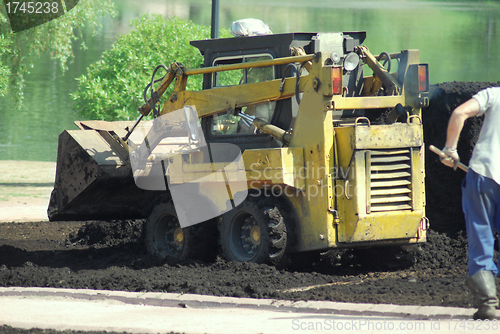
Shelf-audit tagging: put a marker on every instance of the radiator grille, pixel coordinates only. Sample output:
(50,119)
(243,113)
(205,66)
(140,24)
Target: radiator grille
(390,180)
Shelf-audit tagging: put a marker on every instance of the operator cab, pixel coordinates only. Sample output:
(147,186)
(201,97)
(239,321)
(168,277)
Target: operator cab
(238,129)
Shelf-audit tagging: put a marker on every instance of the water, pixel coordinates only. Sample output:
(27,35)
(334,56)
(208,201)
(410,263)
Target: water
(459,40)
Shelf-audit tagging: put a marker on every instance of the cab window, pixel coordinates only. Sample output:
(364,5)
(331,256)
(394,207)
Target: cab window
(227,124)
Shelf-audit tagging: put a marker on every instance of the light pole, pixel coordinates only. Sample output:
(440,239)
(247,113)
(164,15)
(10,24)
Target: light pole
(215,19)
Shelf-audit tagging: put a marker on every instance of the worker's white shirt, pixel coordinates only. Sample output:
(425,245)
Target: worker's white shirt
(486,156)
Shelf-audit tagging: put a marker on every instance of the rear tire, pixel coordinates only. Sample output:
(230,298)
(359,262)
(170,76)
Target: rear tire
(254,232)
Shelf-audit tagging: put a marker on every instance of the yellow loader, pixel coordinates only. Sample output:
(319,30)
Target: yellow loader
(289,147)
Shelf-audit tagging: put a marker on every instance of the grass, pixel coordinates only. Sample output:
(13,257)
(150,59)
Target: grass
(8,193)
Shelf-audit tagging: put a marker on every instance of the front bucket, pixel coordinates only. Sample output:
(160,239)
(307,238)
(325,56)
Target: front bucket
(94,180)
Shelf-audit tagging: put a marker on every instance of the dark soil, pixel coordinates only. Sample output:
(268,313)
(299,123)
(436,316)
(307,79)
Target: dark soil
(111,255)
(443,185)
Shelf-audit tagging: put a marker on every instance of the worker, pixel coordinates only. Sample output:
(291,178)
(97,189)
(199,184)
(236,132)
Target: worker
(480,194)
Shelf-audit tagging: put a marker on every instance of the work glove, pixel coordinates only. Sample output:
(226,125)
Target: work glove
(452,159)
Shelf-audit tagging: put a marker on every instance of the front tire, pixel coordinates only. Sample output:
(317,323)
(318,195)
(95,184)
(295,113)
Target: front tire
(253,232)
(164,236)
(166,239)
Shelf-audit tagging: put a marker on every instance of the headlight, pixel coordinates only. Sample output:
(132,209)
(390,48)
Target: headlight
(335,57)
(351,61)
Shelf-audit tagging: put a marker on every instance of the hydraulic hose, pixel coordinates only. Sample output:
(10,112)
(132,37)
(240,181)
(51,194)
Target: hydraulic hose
(154,96)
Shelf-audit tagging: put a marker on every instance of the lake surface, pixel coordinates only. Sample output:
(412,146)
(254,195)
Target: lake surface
(459,40)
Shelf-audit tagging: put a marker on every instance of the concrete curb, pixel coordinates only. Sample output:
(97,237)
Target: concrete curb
(203,301)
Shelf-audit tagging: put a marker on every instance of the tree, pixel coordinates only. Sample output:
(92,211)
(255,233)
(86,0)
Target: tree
(113,87)
(17,50)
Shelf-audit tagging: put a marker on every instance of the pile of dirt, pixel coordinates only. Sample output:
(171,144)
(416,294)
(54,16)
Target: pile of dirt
(112,233)
(443,185)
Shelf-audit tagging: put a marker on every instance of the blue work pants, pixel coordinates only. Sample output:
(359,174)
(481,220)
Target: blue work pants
(481,206)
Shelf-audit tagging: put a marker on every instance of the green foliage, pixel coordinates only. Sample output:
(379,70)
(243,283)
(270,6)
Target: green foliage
(4,70)
(113,87)
(17,50)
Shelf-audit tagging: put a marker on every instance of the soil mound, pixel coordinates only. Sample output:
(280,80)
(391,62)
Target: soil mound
(108,233)
(441,251)
(443,185)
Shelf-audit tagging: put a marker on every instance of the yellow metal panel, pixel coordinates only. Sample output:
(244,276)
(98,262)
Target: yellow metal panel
(369,102)
(313,132)
(387,225)
(389,136)
(390,142)
(175,171)
(263,63)
(327,80)
(352,198)
(377,137)
(203,172)
(277,165)
(216,100)
(345,140)
(418,178)
(210,167)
